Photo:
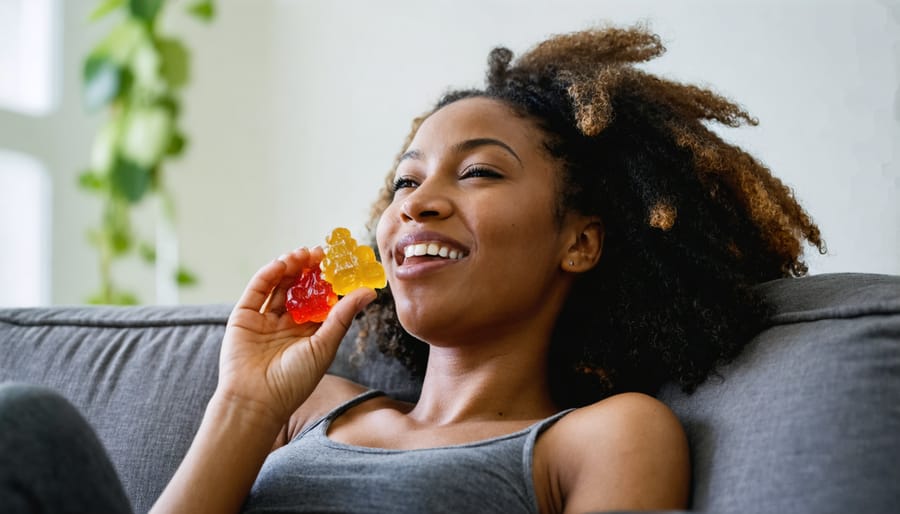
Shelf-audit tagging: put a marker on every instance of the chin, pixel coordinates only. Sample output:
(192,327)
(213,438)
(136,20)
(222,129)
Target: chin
(422,326)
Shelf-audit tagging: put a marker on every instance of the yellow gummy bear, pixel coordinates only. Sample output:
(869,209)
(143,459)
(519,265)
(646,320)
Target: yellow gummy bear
(348,266)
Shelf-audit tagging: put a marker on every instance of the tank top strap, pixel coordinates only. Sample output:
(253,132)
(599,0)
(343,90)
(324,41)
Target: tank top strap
(340,409)
(542,425)
(528,451)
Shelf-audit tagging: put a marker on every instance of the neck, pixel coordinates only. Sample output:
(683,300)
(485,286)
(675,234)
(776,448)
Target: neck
(496,373)
(496,383)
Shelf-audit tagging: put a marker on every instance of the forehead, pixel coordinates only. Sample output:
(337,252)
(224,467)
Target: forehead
(476,118)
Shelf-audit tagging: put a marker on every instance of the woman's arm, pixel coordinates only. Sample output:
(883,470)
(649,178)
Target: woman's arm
(627,452)
(268,367)
(228,450)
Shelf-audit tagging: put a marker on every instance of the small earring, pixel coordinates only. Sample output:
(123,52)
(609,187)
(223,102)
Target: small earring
(571,263)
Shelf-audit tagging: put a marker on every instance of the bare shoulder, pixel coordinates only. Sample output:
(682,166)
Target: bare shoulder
(331,392)
(628,413)
(626,452)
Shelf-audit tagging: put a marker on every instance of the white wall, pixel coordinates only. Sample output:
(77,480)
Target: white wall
(297,108)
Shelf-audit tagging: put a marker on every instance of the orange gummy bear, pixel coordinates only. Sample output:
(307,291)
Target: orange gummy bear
(348,266)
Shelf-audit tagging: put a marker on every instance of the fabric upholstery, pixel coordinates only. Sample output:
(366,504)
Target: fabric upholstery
(807,419)
(141,376)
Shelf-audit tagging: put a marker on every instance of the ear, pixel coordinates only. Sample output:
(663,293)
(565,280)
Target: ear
(586,246)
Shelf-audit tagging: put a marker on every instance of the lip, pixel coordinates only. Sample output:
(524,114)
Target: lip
(425,237)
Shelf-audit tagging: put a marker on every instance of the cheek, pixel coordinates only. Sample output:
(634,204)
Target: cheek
(383,230)
(520,250)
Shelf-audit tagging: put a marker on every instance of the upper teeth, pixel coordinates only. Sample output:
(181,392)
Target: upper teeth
(431,249)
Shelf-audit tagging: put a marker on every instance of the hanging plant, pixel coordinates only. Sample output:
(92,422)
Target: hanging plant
(135,74)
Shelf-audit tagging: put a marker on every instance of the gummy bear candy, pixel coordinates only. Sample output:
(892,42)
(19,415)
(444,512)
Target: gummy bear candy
(310,297)
(348,266)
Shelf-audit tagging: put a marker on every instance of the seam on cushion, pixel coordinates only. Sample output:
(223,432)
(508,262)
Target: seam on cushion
(843,312)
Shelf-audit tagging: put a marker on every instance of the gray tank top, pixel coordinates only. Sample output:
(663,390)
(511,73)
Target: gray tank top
(313,473)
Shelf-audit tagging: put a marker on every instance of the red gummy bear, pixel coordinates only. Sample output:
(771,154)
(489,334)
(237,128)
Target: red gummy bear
(310,297)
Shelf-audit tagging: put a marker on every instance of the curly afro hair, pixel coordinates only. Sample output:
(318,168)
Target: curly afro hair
(691,222)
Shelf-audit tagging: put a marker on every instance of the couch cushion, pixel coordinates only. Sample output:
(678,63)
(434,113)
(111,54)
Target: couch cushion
(807,418)
(141,376)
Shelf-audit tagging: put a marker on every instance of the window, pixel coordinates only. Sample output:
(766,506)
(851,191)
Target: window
(24,230)
(28,31)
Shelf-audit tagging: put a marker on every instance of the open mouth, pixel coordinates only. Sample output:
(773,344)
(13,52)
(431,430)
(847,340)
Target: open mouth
(428,250)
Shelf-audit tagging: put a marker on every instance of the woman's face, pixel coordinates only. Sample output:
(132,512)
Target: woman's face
(470,243)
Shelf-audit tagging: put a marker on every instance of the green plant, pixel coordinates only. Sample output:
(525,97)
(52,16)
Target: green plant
(136,74)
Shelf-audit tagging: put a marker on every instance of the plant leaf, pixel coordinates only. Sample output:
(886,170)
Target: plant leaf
(184,277)
(103,151)
(175,62)
(177,144)
(116,233)
(91,180)
(122,40)
(102,81)
(105,7)
(171,104)
(204,10)
(146,137)
(146,66)
(145,9)
(129,180)
(119,243)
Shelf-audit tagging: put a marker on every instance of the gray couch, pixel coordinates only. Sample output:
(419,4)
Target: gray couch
(807,419)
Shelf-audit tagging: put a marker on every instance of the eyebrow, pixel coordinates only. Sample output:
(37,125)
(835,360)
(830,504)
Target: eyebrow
(467,145)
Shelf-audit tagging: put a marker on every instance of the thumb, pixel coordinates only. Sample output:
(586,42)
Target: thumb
(329,335)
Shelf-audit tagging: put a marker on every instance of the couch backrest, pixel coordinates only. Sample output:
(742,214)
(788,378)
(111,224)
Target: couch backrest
(805,420)
(140,375)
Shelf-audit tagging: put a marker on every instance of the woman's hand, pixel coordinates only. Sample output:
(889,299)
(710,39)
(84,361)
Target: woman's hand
(268,362)
(268,366)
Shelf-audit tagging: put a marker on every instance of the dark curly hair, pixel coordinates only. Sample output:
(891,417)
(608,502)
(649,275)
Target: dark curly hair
(691,222)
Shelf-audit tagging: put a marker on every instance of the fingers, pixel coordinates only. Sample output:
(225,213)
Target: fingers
(269,285)
(296,261)
(335,326)
(260,286)
(300,259)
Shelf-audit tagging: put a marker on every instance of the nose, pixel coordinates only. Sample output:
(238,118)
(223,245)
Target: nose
(426,203)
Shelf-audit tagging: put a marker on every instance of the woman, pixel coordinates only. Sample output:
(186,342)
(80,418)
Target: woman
(558,246)
(571,236)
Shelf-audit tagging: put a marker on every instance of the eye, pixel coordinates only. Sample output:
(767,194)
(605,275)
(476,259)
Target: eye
(403,183)
(477,172)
